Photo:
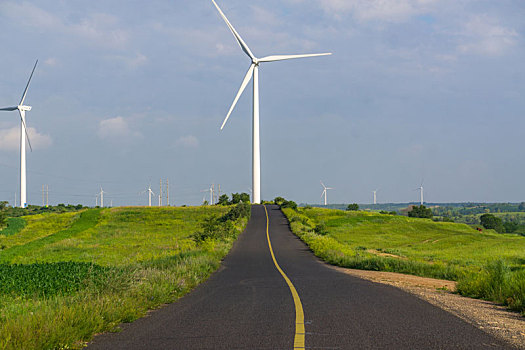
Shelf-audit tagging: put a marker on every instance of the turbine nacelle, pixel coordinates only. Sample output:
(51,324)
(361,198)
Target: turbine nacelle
(24,108)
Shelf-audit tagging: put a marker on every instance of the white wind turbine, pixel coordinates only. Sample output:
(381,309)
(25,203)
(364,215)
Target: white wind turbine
(212,192)
(149,192)
(253,71)
(420,189)
(23,137)
(375,195)
(325,192)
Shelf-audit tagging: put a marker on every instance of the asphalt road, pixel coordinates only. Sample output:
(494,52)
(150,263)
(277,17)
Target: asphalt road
(248,304)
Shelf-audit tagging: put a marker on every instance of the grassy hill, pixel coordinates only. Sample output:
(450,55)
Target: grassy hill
(487,264)
(65,277)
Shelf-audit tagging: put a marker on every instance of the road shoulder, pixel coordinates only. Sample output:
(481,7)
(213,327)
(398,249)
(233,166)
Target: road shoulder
(487,316)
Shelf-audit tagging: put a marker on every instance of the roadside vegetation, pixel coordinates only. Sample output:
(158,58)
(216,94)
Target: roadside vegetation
(65,277)
(486,264)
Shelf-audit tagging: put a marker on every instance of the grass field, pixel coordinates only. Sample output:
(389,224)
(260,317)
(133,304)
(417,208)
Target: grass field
(65,277)
(487,265)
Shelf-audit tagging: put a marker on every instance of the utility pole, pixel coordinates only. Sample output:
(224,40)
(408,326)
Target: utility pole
(96,200)
(219,193)
(212,192)
(47,196)
(43,202)
(167,192)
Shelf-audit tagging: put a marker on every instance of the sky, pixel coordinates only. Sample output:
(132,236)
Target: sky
(129,92)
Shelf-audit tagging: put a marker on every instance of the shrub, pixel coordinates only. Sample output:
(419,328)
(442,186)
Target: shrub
(490,221)
(221,228)
(420,211)
(321,229)
(279,200)
(289,204)
(352,207)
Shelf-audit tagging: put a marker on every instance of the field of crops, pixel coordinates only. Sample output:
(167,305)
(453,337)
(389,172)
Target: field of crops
(65,277)
(418,246)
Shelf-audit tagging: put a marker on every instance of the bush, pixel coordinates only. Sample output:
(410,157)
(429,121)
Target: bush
(510,226)
(352,207)
(222,228)
(289,204)
(321,229)
(279,200)
(223,200)
(420,211)
(490,221)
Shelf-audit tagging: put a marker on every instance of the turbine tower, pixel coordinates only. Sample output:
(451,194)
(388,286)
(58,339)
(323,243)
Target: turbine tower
(375,196)
(101,194)
(253,72)
(212,192)
(23,136)
(149,192)
(420,189)
(325,192)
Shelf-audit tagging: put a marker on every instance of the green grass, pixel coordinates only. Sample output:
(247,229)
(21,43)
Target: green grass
(414,246)
(99,269)
(14,226)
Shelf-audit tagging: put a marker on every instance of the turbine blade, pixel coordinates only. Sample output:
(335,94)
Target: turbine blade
(9,109)
(27,86)
(245,82)
(322,184)
(241,42)
(25,130)
(290,57)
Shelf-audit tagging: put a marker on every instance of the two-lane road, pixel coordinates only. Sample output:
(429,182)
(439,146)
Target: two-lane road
(290,299)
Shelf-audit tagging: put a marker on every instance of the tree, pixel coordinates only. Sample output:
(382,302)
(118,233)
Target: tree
(245,197)
(353,207)
(521,207)
(223,200)
(236,198)
(279,200)
(510,226)
(420,211)
(490,221)
(289,204)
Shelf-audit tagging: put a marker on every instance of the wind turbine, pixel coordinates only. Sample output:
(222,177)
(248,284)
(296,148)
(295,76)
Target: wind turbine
(253,71)
(325,192)
(375,195)
(150,192)
(23,136)
(212,191)
(420,188)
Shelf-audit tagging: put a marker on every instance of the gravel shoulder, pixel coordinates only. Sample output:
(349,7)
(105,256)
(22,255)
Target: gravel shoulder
(487,316)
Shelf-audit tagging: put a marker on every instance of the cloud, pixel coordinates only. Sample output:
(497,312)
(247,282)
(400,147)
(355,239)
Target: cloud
(10,139)
(189,141)
(51,61)
(101,29)
(383,10)
(483,35)
(117,127)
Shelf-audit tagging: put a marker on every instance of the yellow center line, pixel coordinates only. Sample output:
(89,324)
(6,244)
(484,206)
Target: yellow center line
(299,314)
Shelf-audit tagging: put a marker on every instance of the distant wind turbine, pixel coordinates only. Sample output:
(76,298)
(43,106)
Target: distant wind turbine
(325,192)
(149,192)
(212,191)
(375,195)
(253,71)
(420,189)
(23,135)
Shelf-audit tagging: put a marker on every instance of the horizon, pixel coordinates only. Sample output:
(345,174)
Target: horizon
(126,94)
